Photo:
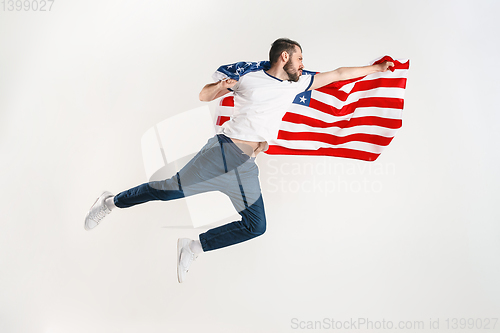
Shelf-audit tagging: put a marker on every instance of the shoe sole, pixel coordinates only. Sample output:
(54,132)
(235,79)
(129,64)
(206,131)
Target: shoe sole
(86,216)
(179,247)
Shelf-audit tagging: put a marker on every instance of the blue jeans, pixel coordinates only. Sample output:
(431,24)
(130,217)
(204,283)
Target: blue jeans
(219,166)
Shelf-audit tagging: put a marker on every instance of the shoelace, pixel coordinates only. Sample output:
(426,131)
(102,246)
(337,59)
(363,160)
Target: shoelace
(192,257)
(100,214)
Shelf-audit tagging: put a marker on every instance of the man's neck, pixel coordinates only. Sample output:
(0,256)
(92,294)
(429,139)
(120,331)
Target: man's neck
(278,72)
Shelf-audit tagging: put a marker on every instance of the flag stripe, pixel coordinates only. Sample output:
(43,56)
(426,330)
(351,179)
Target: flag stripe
(381,92)
(360,112)
(368,120)
(378,102)
(364,86)
(221,120)
(333,139)
(341,132)
(227,101)
(314,145)
(335,152)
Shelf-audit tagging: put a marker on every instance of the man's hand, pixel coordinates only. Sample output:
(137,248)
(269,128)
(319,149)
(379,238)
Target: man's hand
(385,66)
(217,89)
(227,83)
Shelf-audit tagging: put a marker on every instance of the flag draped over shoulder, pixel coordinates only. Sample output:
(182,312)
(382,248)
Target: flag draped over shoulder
(355,118)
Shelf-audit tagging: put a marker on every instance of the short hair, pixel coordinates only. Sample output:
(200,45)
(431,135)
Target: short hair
(280,45)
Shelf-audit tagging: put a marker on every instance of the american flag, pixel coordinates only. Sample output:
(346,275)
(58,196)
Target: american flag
(355,118)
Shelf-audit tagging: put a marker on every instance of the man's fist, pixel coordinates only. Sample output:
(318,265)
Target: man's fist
(228,83)
(385,66)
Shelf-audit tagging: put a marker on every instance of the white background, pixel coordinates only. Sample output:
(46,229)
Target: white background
(79,85)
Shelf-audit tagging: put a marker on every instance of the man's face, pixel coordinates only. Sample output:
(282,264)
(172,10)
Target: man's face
(294,65)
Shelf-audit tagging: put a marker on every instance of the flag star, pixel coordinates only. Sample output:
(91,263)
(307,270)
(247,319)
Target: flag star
(258,64)
(230,66)
(302,99)
(249,63)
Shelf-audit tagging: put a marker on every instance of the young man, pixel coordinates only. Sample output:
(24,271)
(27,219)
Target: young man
(227,162)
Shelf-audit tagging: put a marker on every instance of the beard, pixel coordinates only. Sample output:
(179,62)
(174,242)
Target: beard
(293,75)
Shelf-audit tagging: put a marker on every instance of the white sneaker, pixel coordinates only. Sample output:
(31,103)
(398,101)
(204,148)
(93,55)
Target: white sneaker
(184,258)
(97,212)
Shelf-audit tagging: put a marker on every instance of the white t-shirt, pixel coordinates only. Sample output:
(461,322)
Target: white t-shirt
(260,102)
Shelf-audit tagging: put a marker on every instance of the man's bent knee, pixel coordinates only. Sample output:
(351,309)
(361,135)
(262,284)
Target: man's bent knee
(255,221)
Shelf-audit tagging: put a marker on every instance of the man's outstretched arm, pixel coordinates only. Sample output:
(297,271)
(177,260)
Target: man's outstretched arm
(347,73)
(215,90)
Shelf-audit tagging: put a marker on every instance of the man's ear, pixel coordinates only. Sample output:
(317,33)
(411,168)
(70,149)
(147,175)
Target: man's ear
(285,56)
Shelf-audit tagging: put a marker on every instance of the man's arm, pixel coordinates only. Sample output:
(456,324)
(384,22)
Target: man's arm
(347,73)
(215,90)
